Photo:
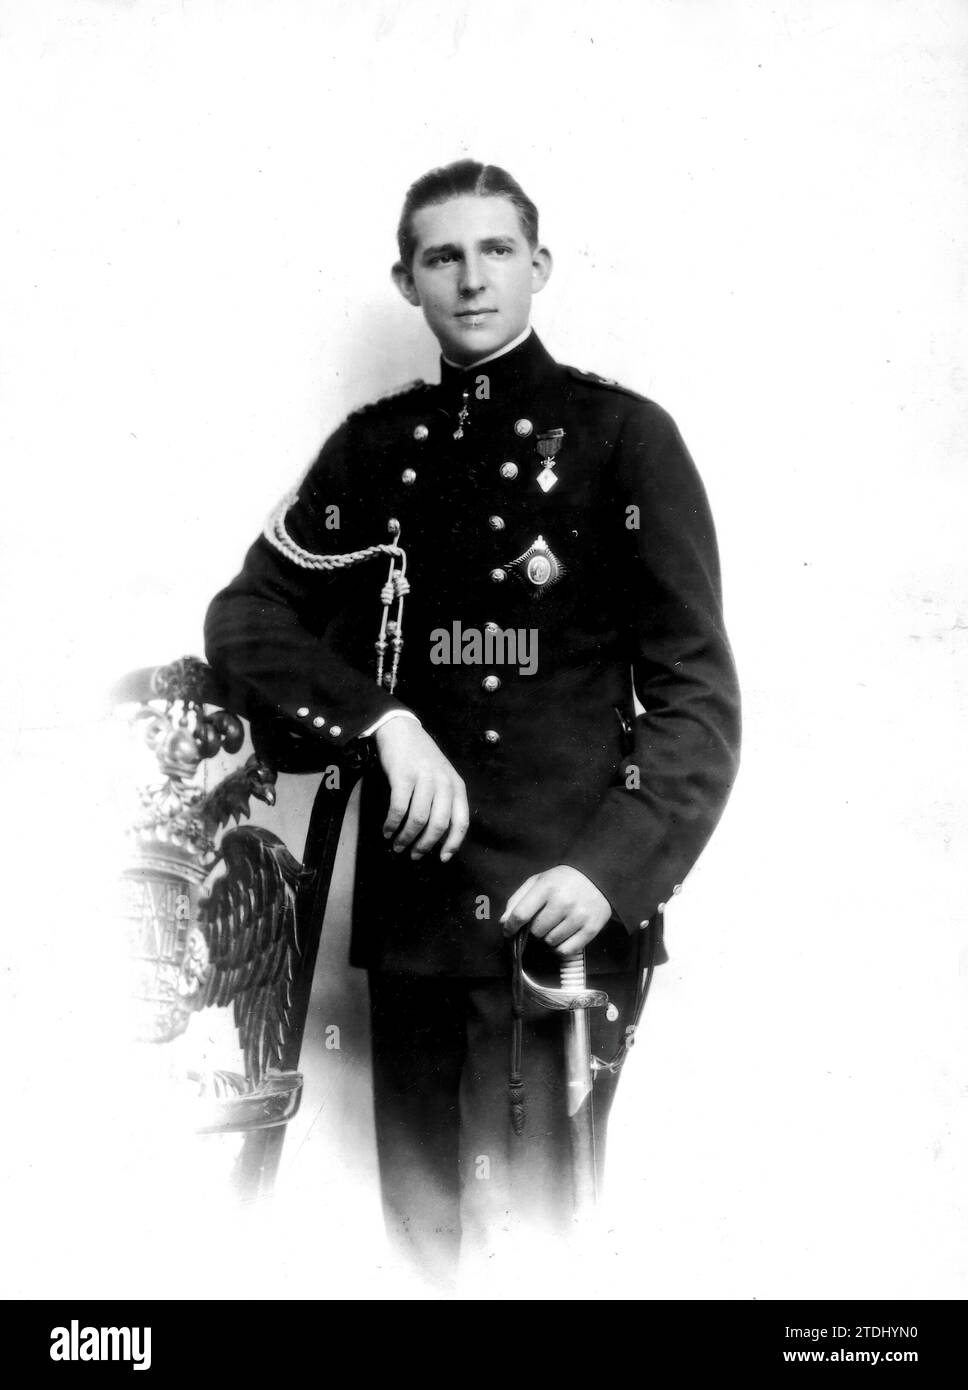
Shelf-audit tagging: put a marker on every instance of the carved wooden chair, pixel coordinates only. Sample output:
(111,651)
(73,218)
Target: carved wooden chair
(220,916)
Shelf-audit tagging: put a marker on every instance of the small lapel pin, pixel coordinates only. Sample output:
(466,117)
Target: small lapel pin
(462,417)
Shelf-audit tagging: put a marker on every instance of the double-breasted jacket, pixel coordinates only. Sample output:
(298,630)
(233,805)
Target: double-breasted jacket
(561,560)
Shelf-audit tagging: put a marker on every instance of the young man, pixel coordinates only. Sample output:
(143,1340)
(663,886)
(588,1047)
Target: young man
(560,559)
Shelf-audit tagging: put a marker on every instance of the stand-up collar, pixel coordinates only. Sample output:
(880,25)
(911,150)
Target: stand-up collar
(516,370)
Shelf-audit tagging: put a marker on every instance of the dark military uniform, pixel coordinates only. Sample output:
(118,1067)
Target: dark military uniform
(612,568)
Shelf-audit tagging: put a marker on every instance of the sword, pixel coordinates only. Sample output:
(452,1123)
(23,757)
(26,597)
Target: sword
(575,999)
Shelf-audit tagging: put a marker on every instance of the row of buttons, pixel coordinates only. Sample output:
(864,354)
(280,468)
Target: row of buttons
(319,722)
(677,888)
(522,428)
(508,471)
(490,684)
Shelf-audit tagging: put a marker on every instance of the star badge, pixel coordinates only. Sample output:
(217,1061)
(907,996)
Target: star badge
(539,566)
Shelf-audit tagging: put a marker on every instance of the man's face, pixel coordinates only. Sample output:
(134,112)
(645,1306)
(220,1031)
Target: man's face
(473,274)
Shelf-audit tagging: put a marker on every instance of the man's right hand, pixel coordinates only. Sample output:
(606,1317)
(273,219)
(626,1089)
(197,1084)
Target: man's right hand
(427,797)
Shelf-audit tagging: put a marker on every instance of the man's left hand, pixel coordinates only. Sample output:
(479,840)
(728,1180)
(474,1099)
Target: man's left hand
(561,906)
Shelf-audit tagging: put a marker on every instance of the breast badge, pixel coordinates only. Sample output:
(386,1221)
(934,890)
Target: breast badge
(539,567)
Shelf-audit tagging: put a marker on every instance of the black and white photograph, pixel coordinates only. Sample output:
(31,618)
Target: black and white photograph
(486,688)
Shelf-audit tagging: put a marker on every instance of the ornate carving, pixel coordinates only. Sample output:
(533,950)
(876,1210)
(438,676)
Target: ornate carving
(248,923)
(212,920)
(183,680)
(230,799)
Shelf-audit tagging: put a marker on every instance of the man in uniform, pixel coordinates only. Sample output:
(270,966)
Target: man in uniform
(560,559)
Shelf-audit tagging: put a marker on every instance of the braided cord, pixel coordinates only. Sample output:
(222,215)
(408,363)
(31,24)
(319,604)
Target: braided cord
(396,587)
(276,534)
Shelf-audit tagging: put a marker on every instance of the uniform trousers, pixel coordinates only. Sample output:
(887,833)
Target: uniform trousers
(454,1176)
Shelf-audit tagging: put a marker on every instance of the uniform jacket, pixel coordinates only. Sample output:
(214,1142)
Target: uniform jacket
(625,595)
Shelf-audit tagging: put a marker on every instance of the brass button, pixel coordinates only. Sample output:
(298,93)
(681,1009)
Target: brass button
(393,526)
(491,736)
(335,731)
(611,1013)
(643,925)
(408,476)
(421,432)
(496,523)
(302,711)
(318,722)
(509,470)
(498,576)
(523,428)
(491,683)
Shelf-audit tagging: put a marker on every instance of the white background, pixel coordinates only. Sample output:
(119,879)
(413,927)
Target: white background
(758,214)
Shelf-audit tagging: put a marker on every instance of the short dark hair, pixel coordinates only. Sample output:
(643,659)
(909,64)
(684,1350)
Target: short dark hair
(455,180)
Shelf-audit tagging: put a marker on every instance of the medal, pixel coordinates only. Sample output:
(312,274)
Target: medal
(549,442)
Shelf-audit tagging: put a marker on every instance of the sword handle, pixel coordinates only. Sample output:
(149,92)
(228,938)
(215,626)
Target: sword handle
(572,974)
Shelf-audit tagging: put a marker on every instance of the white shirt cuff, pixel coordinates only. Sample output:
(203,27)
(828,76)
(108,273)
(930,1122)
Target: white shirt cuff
(384,718)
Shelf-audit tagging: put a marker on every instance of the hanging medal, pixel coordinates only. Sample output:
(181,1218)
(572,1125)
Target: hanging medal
(549,442)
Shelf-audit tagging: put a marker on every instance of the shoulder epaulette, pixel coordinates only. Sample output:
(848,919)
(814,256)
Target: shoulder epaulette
(418,384)
(593,379)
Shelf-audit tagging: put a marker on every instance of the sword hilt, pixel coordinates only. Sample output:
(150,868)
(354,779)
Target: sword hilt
(572,993)
(571,996)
